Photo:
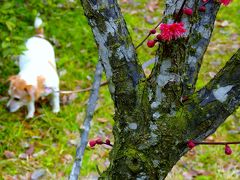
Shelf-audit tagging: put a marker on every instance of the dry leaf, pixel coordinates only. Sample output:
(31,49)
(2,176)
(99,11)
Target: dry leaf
(37,174)
(66,159)
(9,154)
(149,19)
(39,153)
(212,74)
(8,177)
(152,6)
(23,156)
(30,150)
(102,120)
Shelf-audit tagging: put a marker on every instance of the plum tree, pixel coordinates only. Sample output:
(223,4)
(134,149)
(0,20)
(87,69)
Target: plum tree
(155,116)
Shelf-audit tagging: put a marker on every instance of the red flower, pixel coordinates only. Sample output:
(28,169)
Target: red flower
(228,150)
(92,143)
(172,31)
(202,8)
(99,141)
(151,43)
(108,142)
(225,2)
(159,37)
(153,31)
(187,11)
(191,144)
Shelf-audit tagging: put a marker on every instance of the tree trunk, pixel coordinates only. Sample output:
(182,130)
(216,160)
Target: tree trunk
(156,116)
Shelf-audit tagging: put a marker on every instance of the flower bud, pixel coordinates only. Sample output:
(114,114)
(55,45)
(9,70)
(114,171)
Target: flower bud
(153,31)
(108,142)
(191,144)
(187,11)
(228,150)
(92,143)
(99,141)
(202,8)
(151,43)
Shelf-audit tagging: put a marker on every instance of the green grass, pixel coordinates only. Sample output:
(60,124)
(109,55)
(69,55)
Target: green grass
(55,135)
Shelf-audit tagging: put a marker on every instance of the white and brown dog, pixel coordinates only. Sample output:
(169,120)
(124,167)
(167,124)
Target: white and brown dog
(37,77)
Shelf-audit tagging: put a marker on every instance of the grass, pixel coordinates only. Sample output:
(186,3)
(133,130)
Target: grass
(54,137)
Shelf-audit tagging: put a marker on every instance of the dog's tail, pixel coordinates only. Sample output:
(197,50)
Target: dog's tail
(38,24)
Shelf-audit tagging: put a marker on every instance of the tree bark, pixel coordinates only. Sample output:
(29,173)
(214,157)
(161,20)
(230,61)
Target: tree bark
(152,121)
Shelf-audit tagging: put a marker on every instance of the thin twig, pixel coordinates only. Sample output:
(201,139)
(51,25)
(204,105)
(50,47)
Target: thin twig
(216,143)
(81,90)
(149,34)
(87,123)
(144,66)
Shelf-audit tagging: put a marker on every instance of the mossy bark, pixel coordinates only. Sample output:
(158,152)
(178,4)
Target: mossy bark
(156,116)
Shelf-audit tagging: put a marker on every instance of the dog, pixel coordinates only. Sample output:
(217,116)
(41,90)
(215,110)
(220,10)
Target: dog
(38,75)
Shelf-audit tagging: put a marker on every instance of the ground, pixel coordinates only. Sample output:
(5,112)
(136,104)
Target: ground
(49,141)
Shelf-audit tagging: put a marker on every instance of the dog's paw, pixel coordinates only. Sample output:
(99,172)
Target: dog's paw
(56,110)
(29,116)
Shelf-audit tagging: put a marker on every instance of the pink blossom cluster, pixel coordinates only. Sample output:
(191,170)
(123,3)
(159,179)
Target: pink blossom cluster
(168,32)
(172,31)
(225,2)
(176,30)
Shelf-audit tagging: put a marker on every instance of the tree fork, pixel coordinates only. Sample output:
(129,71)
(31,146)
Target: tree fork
(152,123)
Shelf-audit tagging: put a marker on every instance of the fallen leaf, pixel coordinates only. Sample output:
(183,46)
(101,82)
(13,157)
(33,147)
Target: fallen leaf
(24,144)
(23,156)
(9,154)
(234,37)
(67,99)
(8,177)
(102,120)
(74,142)
(66,159)
(37,174)
(210,138)
(126,1)
(212,74)
(39,153)
(27,176)
(152,6)
(60,175)
(149,19)
(30,150)
(222,23)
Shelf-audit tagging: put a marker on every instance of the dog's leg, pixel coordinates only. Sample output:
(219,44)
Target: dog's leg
(31,110)
(55,101)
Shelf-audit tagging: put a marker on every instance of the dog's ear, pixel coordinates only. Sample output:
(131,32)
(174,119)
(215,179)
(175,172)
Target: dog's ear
(30,91)
(13,78)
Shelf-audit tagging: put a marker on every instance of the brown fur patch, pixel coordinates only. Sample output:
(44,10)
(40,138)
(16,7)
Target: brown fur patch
(40,31)
(40,86)
(19,87)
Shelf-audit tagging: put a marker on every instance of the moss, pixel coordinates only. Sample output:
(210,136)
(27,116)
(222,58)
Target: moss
(196,36)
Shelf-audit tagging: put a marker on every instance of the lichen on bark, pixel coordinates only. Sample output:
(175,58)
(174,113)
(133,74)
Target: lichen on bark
(152,121)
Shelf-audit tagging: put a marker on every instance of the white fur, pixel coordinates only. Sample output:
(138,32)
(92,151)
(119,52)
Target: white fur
(38,22)
(39,60)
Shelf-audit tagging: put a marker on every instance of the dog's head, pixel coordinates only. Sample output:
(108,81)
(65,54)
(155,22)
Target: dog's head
(21,93)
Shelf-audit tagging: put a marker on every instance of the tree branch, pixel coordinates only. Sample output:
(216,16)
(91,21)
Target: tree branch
(179,61)
(115,49)
(87,123)
(217,100)
(199,35)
